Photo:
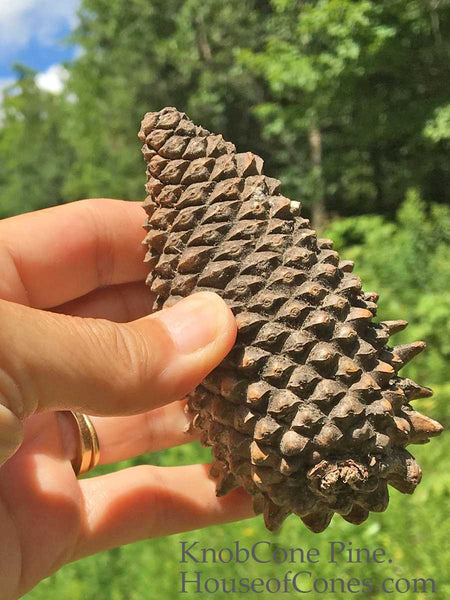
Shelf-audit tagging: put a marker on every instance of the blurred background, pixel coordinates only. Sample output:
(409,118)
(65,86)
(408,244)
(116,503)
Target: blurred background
(348,102)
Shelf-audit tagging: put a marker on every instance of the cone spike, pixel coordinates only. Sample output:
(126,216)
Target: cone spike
(346,266)
(402,428)
(371,296)
(317,521)
(225,483)
(396,397)
(260,455)
(413,390)
(274,515)
(378,500)
(422,427)
(359,315)
(357,515)
(366,382)
(403,472)
(395,326)
(383,372)
(406,352)
(325,243)
(258,504)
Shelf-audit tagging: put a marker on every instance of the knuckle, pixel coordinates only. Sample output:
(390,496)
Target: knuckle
(11,395)
(161,496)
(130,358)
(104,250)
(11,433)
(12,370)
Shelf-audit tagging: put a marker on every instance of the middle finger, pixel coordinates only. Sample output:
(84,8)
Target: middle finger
(120,303)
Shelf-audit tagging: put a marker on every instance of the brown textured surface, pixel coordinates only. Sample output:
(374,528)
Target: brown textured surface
(307,412)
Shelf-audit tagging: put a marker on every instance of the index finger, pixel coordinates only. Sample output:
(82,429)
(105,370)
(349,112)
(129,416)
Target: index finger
(54,255)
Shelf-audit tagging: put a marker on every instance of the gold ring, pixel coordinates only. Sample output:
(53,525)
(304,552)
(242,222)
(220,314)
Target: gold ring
(89,450)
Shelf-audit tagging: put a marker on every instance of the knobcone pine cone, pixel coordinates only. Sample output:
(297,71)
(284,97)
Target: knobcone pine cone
(307,412)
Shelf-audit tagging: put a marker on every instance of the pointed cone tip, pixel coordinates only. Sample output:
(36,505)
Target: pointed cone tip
(395,326)
(424,392)
(405,353)
(424,425)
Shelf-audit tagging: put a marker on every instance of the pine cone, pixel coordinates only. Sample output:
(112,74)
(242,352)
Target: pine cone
(307,412)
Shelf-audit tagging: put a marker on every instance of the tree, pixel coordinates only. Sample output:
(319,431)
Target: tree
(360,78)
(346,100)
(34,156)
(139,56)
(407,261)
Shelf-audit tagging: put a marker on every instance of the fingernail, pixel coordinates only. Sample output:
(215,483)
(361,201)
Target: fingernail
(196,321)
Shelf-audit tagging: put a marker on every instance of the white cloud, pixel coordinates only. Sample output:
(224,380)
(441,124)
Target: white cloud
(41,20)
(4,82)
(53,79)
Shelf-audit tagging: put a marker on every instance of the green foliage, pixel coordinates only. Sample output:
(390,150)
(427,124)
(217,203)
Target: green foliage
(370,76)
(438,127)
(141,56)
(407,261)
(413,531)
(34,156)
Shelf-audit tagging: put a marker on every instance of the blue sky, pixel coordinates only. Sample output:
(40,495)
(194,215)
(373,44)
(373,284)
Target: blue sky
(31,32)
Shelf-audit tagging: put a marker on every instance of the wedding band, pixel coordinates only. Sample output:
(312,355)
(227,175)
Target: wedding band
(88,450)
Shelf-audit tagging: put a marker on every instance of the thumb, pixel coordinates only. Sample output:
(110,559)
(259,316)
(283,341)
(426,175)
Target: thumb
(51,362)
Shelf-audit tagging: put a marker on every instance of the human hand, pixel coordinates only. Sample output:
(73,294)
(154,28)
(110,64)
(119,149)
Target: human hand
(74,335)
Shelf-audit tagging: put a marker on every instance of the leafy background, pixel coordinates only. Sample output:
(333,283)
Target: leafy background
(348,102)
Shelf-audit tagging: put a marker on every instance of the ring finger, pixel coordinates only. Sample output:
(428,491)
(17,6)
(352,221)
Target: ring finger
(121,438)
